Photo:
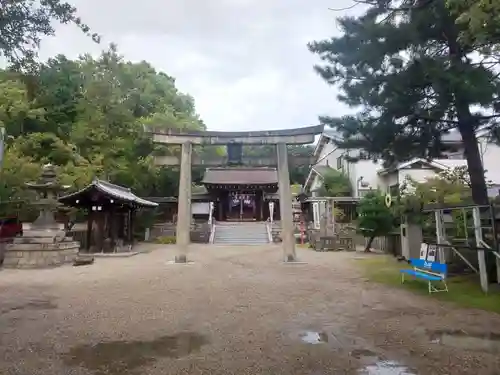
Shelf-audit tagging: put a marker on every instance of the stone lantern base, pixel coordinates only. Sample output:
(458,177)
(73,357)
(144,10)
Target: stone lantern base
(43,251)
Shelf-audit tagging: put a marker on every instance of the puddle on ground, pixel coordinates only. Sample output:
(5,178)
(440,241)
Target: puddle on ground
(126,357)
(363,354)
(313,338)
(32,305)
(489,342)
(372,363)
(385,368)
(377,366)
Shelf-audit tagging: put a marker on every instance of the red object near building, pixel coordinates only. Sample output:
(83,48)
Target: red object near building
(10,227)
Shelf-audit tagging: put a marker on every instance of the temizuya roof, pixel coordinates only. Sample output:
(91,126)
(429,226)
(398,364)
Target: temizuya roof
(117,192)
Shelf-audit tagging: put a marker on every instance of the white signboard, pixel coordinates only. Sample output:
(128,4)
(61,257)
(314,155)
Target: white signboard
(316,217)
(423,251)
(432,253)
(428,252)
(200,208)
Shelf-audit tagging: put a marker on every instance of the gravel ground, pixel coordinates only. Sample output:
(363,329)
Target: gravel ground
(233,311)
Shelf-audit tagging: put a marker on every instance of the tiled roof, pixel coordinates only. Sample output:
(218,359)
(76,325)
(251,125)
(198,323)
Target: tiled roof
(114,191)
(241,176)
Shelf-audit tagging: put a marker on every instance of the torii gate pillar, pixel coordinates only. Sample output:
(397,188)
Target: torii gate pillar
(286,213)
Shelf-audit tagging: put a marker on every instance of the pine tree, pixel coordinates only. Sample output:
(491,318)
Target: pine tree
(403,65)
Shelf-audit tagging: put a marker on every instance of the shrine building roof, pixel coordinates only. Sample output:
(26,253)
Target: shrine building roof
(99,191)
(240,176)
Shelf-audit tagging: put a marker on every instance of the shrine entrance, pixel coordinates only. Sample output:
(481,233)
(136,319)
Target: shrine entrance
(234,141)
(242,206)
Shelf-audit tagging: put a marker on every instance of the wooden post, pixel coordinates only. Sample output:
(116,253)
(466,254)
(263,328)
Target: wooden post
(440,235)
(302,230)
(131,227)
(241,207)
(333,216)
(496,247)
(89,228)
(478,233)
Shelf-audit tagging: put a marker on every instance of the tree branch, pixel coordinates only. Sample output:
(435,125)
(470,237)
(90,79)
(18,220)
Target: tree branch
(430,119)
(423,4)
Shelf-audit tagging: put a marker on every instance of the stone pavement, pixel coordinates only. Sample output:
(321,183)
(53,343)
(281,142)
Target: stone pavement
(234,310)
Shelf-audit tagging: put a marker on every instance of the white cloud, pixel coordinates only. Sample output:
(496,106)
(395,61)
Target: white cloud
(245,62)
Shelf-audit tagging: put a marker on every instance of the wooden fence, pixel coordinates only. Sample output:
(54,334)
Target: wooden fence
(390,244)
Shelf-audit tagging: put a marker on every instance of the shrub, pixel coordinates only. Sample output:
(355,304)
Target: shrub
(166,240)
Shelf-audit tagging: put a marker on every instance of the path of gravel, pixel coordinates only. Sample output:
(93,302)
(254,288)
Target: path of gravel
(233,311)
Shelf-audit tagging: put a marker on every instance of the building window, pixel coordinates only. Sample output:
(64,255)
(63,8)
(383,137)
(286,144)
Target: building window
(394,190)
(363,155)
(339,163)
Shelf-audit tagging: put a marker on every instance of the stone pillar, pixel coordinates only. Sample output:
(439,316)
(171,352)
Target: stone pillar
(286,213)
(184,204)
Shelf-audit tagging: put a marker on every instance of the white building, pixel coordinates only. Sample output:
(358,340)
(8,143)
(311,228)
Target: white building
(366,175)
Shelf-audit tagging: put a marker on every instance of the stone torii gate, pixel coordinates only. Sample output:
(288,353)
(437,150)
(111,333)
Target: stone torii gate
(280,138)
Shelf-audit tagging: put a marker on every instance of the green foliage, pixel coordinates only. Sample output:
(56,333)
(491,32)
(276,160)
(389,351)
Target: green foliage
(86,117)
(298,173)
(296,189)
(449,187)
(25,22)
(411,77)
(335,184)
(374,217)
(481,19)
(166,240)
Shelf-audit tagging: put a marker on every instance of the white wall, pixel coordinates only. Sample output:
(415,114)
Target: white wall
(418,175)
(386,181)
(491,161)
(329,155)
(398,177)
(368,170)
(316,184)
(354,170)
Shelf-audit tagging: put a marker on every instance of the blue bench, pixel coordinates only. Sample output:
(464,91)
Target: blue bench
(433,272)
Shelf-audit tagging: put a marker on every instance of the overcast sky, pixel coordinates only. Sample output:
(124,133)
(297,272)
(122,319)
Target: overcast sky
(245,62)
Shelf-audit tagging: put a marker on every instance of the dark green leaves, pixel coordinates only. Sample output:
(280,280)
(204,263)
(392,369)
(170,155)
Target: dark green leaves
(23,23)
(374,217)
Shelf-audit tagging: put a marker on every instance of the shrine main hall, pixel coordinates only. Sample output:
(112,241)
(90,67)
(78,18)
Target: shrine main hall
(240,193)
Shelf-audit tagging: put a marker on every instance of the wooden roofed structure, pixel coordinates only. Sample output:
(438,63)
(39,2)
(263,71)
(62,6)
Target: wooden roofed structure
(239,192)
(111,212)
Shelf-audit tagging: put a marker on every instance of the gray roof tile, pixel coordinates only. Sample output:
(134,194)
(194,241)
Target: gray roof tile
(241,176)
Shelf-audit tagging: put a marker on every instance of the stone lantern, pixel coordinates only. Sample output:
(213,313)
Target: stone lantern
(45,244)
(47,188)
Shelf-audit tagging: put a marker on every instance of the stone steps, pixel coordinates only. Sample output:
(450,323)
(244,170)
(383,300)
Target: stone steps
(241,233)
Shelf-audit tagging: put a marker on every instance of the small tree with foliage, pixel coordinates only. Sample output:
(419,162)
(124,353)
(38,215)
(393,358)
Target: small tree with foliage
(375,219)
(335,184)
(451,187)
